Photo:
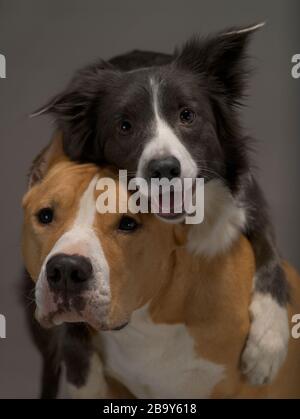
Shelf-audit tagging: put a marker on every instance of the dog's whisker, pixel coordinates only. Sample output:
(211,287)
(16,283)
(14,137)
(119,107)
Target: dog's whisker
(30,302)
(212,173)
(209,161)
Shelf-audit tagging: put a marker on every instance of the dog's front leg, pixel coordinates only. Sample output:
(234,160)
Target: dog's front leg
(267,343)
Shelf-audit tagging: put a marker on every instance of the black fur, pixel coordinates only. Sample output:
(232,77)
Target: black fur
(140,59)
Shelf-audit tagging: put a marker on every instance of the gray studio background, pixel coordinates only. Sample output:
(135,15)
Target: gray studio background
(45,41)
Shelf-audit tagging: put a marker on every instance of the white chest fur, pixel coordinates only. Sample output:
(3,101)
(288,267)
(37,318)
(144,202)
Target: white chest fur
(224,220)
(157,361)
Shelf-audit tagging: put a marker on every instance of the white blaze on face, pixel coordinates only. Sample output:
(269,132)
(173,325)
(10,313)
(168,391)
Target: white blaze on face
(165,143)
(80,239)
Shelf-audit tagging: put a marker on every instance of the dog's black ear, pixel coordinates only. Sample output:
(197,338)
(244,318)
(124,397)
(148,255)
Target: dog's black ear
(75,110)
(221,59)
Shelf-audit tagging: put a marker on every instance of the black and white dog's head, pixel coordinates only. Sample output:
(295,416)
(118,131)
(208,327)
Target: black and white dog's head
(173,116)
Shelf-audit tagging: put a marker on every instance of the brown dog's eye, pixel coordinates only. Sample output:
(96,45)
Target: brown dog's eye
(125,127)
(128,224)
(45,215)
(187,116)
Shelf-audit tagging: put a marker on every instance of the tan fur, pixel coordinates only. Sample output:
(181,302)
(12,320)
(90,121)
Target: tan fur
(150,265)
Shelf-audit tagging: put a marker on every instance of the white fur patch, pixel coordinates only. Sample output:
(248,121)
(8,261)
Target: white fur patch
(222,224)
(157,360)
(165,143)
(267,343)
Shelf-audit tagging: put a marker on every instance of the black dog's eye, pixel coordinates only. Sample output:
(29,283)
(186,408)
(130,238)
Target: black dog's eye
(187,116)
(45,215)
(125,127)
(127,224)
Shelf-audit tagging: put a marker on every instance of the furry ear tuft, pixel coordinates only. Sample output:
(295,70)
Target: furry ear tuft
(221,58)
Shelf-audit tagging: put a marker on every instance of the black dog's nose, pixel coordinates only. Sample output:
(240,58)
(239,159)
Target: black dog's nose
(167,167)
(68,272)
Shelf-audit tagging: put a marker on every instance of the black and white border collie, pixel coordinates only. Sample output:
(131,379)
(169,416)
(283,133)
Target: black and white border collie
(160,115)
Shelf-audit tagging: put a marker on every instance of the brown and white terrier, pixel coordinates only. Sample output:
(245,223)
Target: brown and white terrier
(165,323)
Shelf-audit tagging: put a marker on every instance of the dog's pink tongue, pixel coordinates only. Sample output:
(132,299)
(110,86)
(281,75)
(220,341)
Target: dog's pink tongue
(163,206)
(166,206)
(171,206)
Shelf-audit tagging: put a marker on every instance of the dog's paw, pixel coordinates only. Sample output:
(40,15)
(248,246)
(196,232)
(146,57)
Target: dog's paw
(267,343)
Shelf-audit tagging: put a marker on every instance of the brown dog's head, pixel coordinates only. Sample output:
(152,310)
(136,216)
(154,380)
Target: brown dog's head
(90,267)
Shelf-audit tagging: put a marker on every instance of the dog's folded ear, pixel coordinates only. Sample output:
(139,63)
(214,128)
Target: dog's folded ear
(50,155)
(75,110)
(221,59)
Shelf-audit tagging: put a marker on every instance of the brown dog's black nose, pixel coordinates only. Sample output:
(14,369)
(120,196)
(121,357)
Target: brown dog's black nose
(167,167)
(68,272)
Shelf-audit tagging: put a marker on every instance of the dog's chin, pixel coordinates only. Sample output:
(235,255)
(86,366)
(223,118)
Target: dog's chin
(59,318)
(116,328)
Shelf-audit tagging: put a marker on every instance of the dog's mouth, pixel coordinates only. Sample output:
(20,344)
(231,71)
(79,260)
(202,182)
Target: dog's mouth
(121,327)
(53,311)
(174,205)
(58,318)
(171,213)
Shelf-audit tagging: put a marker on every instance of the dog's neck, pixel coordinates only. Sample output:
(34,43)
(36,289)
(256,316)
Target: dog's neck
(196,286)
